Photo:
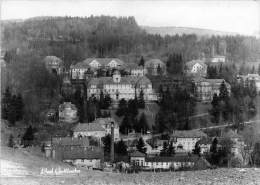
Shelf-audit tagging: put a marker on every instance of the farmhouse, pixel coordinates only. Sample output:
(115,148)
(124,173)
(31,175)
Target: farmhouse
(206,88)
(155,67)
(184,141)
(79,70)
(54,64)
(135,70)
(196,68)
(68,113)
(98,128)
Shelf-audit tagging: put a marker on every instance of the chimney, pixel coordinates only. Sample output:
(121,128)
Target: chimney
(112,143)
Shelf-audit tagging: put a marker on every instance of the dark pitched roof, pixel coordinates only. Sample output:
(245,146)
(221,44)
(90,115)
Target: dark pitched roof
(105,121)
(134,80)
(88,127)
(191,63)
(67,105)
(80,152)
(172,159)
(137,154)
(49,59)
(153,62)
(188,134)
(70,141)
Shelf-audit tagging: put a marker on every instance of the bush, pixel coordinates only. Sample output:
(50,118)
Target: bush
(235,162)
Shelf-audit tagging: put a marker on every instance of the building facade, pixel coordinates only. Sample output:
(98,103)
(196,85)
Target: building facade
(155,67)
(118,87)
(205,89)
(250,78)
(196,68)
(79,70)
(68,113)
(54,64)
(185,141)
(98,128)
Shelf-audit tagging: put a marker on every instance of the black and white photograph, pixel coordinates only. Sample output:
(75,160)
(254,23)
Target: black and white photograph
(130,92)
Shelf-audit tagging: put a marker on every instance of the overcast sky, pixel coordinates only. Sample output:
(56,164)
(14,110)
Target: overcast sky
(232,16)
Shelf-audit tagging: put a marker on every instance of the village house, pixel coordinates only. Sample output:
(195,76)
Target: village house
(54,64)
(250,78)
(135,70)
(205,144)
(76,151)
(118,87)
(218,58)
(89,129)
(155,67)
(184,141)
(68,113)
(176,162)
(98,128)
(196,68)
(205,89)
(79,70)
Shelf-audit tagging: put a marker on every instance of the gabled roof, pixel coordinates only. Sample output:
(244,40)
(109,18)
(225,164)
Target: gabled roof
(153,62)
(70,141)
(48,59)
(81,153)
(181,158)
(103,61)
(188,134)
(190,64)
(133,80)
(132,66)
(66,105)
(137,154)
(104,121)
(88,127)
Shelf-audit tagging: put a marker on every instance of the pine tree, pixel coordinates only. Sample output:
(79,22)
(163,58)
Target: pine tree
(126,125)
(101,100)
(223,92)
(28,137)
(141,102)
(142,124)
(171,149)
(121,148)
(11,141)
(122,108)
(19,107)
(107,142)
(141,145)
(12,112)
(197,149)
(6,102)
(214,145)
(141,63)
(164,149)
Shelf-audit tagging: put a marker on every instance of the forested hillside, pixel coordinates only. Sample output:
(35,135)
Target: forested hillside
(75,38)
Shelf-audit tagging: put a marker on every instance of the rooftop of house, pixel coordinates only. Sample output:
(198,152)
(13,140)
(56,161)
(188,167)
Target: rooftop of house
(134,66)
(88,127)
(190,64)
(105,121)
(92,152)
(177,158)
(137,154)
(188,134)
(101,61)
(132,80)
(50,59)
(153,62)
(70,141)
(205,141)
(67,105)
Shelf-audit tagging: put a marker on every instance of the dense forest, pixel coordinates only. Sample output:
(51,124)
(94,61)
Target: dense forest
(75,38)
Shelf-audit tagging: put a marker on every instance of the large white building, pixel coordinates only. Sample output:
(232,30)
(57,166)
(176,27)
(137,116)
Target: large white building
(79,70)
(196,67)
(250,78)
(118,87)
(185,140)
(98,128)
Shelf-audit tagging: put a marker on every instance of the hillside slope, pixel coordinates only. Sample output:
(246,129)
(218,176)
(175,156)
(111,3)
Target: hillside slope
(185,30)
